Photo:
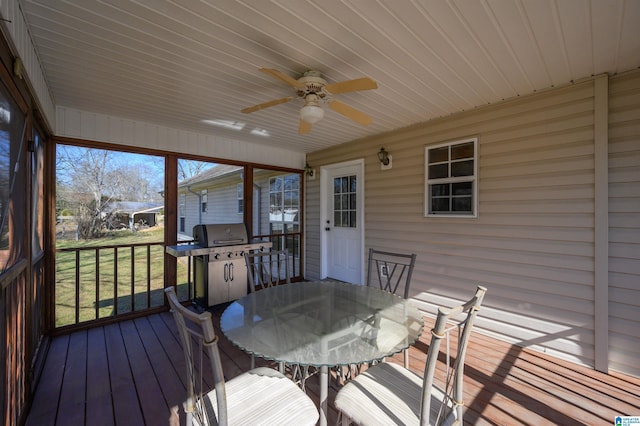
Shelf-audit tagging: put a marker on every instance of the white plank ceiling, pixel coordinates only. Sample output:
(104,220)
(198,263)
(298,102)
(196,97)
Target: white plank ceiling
(177,63)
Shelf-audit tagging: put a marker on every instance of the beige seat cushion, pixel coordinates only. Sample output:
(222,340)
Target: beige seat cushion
(252,397)
(386,394)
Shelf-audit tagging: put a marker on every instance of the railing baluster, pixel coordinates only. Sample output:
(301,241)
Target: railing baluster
(77,287)
(133,279)
(115,281)
(149,276)
(189,289)
(97,301)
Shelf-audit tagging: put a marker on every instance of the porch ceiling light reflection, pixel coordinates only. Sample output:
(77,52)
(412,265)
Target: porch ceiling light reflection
(260,132)
(227,124)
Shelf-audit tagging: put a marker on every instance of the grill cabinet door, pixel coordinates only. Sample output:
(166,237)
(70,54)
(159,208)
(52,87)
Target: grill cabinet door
(227,280)
(237,283)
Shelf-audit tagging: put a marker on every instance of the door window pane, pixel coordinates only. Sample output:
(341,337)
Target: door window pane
(344,201)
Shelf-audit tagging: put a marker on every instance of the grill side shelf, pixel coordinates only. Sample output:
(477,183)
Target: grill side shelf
(188,250)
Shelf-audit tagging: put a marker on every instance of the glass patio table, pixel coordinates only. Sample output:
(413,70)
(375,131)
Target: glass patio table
(322,324)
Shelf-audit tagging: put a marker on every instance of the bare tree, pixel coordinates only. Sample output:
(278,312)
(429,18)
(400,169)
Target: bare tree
(90,181)
(91,178)
(134,184)
(190,168)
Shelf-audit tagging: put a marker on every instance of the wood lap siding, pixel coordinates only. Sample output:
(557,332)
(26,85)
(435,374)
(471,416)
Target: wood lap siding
(624,223)
(533,242)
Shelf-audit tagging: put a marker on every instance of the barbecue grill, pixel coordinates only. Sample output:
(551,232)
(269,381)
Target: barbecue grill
(220,271)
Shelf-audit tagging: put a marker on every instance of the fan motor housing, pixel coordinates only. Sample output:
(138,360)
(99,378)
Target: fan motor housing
(313,84)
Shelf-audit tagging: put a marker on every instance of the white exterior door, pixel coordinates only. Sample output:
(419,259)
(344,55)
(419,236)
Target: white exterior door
(342,223)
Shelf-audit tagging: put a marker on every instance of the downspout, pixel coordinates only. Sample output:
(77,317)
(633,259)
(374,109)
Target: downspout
(199,202)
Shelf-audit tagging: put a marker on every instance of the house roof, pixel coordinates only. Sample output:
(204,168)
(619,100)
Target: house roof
(131,207)
(180,63)
(215,172)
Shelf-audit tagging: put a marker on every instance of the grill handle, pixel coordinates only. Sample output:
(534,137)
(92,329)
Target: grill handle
(229,242)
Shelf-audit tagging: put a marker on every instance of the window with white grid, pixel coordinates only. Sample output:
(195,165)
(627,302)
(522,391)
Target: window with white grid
(451,187)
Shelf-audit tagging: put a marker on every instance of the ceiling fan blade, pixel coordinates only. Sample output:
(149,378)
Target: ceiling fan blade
(304,127)
(364,83)
(350,112)
(266,105)
(284,77)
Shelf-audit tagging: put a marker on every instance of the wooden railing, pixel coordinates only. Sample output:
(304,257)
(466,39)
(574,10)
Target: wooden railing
(109,281)
(94,283)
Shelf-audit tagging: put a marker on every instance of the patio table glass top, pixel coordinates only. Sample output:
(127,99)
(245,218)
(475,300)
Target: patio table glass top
(322,323)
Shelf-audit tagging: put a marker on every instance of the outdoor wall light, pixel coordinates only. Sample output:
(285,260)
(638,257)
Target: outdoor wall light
(308,170)
(383,156)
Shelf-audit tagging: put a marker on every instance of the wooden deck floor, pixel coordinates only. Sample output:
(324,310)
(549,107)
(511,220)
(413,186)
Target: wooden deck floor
(123,374)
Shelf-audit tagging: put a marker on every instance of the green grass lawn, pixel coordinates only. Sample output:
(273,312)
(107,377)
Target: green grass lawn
(109,279)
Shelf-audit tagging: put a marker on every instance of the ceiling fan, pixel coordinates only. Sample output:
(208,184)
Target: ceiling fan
(313,89)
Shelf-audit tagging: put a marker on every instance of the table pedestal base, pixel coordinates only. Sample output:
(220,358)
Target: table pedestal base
(324,394)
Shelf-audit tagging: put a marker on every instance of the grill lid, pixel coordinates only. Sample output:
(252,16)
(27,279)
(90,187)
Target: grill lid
(220,234)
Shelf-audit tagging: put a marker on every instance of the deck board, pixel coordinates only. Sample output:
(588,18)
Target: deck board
(47,396)
(98,398)
(133,369)
(71,407)
(152,402)
(125,395)
(172,390)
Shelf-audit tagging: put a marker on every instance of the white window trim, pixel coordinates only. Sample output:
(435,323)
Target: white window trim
(240,197)
(182,205)
(204,198)
(474,180)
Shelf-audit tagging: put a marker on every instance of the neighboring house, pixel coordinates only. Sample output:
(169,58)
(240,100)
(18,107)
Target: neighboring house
(216,196)
(130,214)
(210,197)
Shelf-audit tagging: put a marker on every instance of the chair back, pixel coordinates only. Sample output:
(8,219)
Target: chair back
(451,323)
(200,345)
(390,271)
(267,268)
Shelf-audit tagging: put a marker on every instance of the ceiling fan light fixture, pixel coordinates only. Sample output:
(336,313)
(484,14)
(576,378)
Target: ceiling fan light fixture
(311,113)
(314,89)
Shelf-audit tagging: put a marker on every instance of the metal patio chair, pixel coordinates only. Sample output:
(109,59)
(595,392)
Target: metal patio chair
(391,272)
(387,393)
(267,268)
(261,396)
